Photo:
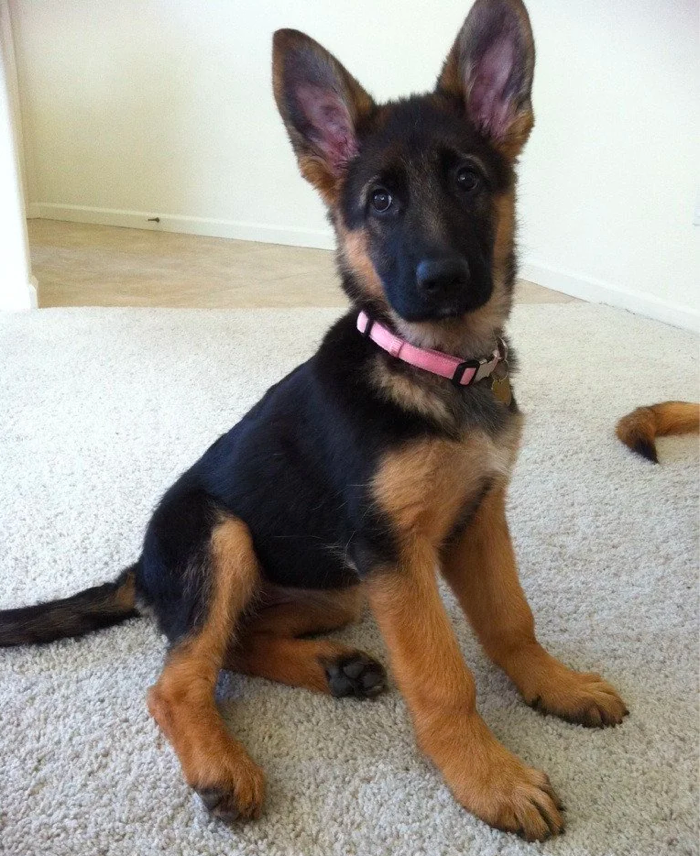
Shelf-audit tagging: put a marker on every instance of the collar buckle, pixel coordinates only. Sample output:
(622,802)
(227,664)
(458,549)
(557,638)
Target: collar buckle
(368,327)
(461,369)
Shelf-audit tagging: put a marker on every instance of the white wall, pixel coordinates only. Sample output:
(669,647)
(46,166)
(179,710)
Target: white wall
(17,288)
(148,107)
(612,171)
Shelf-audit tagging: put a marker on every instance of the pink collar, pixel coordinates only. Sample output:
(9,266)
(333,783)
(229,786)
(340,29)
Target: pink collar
(460,372)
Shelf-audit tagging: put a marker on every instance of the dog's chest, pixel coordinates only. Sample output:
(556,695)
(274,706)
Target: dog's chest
(425,486)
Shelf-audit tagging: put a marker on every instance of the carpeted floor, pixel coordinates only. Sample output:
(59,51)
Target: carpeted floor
(101,409)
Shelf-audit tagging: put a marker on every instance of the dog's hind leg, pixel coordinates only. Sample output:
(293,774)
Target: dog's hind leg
(270,645)
(182,702)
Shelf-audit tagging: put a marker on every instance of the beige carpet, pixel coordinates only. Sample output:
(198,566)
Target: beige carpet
(101,409)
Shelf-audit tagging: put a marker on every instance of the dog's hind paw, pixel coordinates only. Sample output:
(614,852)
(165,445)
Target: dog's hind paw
(357,675)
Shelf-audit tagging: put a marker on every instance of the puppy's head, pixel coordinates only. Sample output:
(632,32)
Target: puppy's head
(420,191)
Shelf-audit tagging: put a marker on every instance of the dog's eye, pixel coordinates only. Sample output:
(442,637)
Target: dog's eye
(468,179)
(381,199)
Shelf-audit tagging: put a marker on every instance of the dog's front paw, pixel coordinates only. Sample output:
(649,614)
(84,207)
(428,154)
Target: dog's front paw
(523,802)
(495,785)
(585,699)
(233,792)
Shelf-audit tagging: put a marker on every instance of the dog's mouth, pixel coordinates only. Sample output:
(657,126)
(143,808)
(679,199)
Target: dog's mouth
(449,312)
(452,310)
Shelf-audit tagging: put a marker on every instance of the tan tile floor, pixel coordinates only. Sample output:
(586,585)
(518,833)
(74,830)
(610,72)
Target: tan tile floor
(84,265)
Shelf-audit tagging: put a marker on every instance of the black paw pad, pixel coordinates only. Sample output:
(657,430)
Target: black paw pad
(219,803)
(355,675)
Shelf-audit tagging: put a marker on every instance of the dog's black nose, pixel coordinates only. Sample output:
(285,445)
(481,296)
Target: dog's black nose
(442,277)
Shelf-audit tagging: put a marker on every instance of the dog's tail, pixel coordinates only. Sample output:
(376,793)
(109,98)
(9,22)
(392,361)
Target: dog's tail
(88,610)
(639,428)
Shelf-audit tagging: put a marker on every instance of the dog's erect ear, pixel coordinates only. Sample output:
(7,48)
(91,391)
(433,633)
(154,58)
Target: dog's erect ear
(490,68)
(322,106)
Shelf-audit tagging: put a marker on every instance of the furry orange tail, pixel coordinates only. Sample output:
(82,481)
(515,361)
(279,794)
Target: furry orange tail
(639,428)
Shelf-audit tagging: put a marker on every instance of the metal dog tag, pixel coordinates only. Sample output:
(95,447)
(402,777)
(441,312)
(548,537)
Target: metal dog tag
(500,387)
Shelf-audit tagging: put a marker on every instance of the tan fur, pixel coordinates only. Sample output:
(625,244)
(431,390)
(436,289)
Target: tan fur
(315,171)
(125,596)
(295,612)
(182,701)
(518,135)
(439,690)
(425,485)
(295,662)
(482,572)
(412,396)
(504,205)
(269,647)
(639,429)
(354,256)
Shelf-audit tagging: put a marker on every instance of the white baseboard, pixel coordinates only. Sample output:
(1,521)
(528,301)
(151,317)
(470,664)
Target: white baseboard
(597,291)
(569,282)
(20,298)
(33,292)
(320,238)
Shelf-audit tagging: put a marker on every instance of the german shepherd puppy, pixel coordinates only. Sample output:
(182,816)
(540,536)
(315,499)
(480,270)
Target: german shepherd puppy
(360,475)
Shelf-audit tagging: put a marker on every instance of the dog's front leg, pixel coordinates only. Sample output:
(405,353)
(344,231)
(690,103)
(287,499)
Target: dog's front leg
(439,690)
(482,572)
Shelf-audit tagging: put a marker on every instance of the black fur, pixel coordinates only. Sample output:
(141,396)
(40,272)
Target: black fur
(82,613)
(647,449)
